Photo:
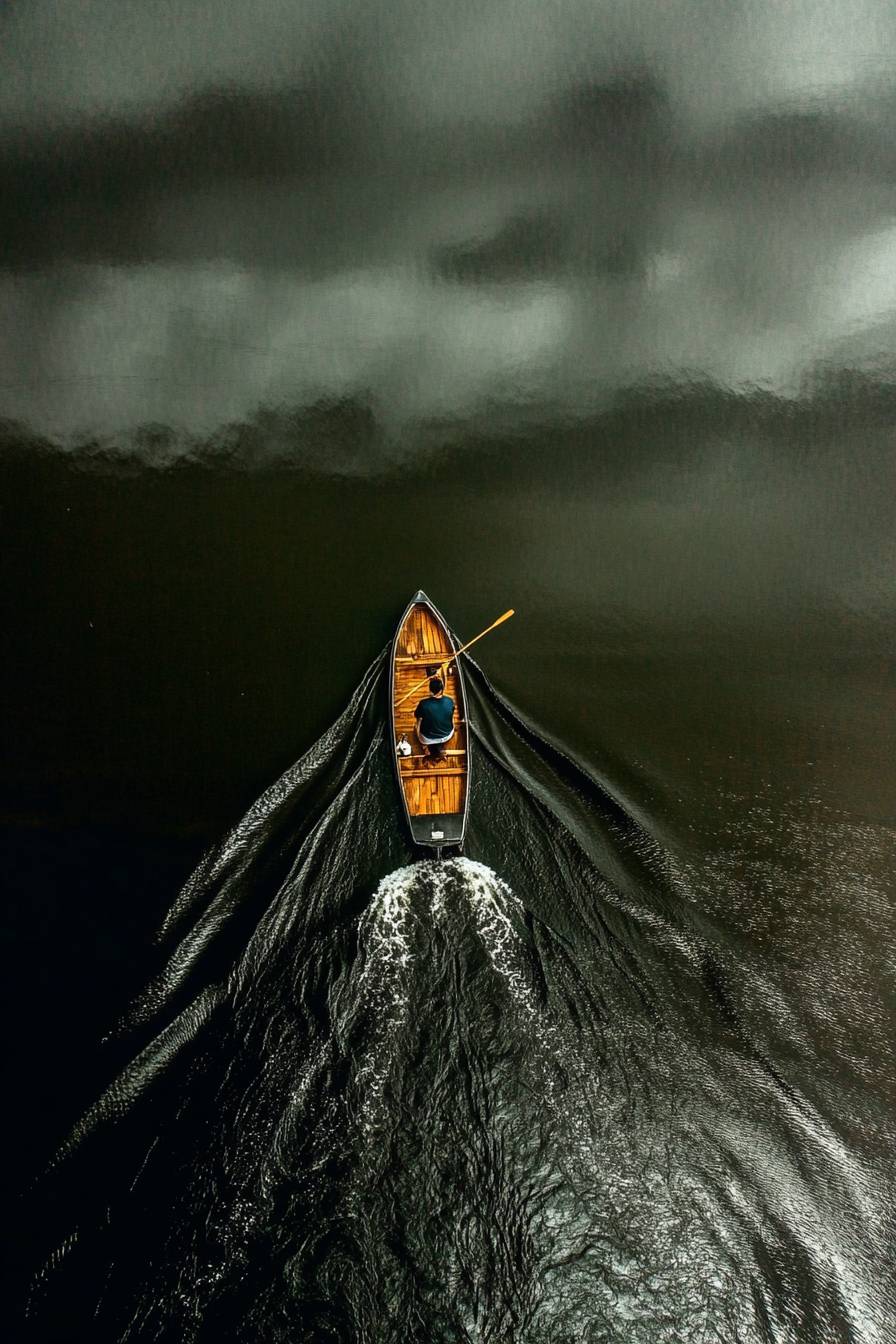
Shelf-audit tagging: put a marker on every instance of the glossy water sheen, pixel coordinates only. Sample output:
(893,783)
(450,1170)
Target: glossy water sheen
(562,1088)
(588,309)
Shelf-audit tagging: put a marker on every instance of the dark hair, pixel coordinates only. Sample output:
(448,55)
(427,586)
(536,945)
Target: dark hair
(436,684)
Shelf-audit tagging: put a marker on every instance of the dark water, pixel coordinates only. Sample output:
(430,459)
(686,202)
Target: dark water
(586,310)
(573,1085)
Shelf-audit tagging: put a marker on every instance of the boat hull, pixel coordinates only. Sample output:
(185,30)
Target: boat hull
(434,794)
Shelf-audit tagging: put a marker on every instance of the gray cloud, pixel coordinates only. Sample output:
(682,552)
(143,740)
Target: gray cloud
(434,61)
(433,209)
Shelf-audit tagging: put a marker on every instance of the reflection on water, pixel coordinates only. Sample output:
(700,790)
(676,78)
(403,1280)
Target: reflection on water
(439,211)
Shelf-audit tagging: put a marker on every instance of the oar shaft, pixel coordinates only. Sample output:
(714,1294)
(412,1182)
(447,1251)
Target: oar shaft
(500,621)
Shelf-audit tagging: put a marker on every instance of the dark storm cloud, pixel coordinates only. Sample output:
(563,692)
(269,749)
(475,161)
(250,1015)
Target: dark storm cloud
(523,248)
(92,191)
(100,190)
(792,145)
(431,208)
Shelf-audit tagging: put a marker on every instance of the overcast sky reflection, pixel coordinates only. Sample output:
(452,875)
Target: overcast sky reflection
(435,207)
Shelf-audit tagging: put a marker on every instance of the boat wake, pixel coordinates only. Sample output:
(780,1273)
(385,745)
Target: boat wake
(514,1096)
(416,914)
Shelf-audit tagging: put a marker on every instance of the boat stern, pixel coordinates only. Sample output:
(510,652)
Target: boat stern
(433,830)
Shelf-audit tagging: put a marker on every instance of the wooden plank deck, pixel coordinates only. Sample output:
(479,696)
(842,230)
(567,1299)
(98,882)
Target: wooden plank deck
(430,787)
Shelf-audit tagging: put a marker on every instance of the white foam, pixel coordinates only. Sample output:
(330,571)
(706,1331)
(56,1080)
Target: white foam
(391,938)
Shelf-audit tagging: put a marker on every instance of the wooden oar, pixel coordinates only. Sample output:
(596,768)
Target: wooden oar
(501,619)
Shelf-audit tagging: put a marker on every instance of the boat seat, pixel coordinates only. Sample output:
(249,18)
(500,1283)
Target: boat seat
(419,756)
(436,774)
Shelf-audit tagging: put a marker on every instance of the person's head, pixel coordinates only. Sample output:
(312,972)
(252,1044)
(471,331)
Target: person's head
(436,685)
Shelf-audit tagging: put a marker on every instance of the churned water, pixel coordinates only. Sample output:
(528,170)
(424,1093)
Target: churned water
(533,1093)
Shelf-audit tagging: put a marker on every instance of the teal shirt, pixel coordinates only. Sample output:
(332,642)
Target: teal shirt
(436,716)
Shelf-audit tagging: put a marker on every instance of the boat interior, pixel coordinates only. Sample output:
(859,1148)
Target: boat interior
(430,786)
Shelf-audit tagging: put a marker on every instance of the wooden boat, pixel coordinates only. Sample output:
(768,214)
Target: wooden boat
(435,794)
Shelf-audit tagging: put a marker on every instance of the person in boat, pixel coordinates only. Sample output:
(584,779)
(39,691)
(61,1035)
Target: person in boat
(434,718)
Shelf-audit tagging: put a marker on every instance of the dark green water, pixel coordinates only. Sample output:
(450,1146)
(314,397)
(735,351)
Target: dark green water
(590,314)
